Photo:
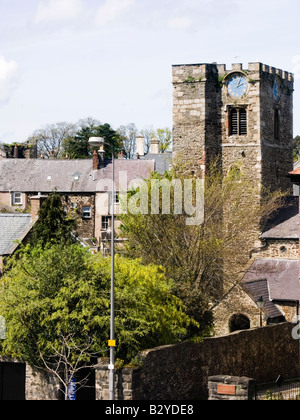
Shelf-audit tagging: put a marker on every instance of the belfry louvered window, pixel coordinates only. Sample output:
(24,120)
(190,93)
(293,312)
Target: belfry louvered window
(237,122)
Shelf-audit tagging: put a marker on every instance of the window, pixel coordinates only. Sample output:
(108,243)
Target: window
(106,222)
(86,212)
(276,124)
(117,198)
(17,199)
(237,122)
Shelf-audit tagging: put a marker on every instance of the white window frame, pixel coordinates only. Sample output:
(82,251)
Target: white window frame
(86,212)
(105,223)
(17,199)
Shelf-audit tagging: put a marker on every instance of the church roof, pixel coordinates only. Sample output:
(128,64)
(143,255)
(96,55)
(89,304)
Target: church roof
(282,277)
(284,224)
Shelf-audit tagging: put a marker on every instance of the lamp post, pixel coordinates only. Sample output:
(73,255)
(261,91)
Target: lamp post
(261,305)
(99,142)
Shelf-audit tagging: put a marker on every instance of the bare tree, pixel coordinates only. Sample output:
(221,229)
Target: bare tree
(50,138)
(203,260)
(67,362)
(128,135)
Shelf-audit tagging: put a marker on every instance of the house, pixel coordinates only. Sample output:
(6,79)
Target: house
(84,185)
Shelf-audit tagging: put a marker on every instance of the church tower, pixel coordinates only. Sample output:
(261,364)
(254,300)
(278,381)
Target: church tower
(242,115)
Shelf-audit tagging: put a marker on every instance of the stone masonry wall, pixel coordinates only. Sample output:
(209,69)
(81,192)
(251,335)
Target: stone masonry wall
(201,128)
(181,372)
(201,105)
(223,387)
(285,249)
(41,386)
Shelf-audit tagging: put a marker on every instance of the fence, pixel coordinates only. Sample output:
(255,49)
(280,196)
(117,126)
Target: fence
(281,389)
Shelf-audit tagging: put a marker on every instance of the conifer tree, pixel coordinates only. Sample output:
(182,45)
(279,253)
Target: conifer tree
(53,226)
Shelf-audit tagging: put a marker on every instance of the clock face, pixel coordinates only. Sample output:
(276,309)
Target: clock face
(237,86)
(276,90)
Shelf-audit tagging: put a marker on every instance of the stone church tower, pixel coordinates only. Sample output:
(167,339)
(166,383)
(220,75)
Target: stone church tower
(242,115)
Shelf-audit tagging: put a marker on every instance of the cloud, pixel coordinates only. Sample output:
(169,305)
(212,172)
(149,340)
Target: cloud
(58,10)
(111,9)
(8,79)
(179,23)
(296,68)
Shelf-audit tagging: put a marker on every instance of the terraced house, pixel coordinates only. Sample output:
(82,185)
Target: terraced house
(84,185)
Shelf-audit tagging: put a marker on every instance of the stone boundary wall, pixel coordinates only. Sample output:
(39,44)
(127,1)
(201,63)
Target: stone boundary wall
(181,372)
(127,382)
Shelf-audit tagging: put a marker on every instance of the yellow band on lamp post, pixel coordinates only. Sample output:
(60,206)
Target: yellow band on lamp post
(111,343)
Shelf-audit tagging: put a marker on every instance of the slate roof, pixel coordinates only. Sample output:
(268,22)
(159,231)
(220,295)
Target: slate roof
(282,277)
(162,161)
(13,227)
(78,176)
(275,280)
(284,224)
(259,288)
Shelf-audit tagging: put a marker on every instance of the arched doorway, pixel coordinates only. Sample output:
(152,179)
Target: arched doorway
(239,322)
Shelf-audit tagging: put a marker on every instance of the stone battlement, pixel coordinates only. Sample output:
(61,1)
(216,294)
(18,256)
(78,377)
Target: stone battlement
(184,73)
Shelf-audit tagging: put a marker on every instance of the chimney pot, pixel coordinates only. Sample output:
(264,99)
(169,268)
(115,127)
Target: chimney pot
(16,152)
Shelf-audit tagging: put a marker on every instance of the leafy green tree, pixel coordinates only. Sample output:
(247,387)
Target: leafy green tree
(203,260)
(165,139)
(77,146)
(296,147)
(53,226)
(56,300)
(164,135)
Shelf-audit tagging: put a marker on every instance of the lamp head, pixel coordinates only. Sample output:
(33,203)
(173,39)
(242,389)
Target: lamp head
(96,142)
(260,303)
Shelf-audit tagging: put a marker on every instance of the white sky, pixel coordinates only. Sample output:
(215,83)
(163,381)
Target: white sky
(63,60)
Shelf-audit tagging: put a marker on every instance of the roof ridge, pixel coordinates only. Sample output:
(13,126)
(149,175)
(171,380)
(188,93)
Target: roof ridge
(15,215)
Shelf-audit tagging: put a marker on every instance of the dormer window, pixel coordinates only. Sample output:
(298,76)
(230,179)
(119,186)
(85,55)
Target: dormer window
(237,122)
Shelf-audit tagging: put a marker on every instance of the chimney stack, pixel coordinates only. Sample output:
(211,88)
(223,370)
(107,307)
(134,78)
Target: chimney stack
(95,161)
(102,153)
(140,145)
(36,203)
(16,152)
(98,157)
(154,146)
